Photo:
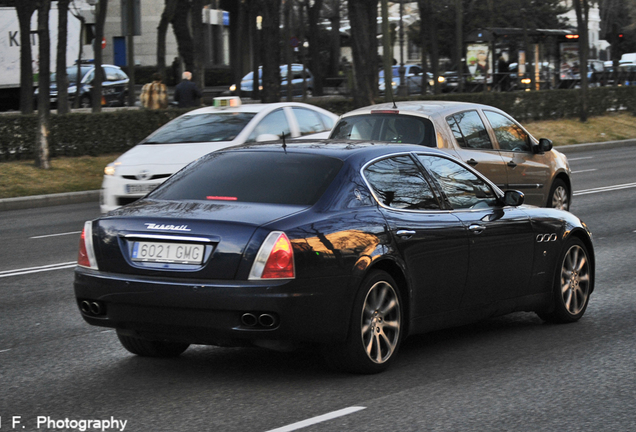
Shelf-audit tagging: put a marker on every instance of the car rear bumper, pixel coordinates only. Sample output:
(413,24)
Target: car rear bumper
(213,312)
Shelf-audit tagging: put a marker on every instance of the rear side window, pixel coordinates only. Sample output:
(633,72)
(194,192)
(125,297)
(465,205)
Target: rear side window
(469,130)
(399,183)
(274,177)
(399,128)
(309,121)
(274,123)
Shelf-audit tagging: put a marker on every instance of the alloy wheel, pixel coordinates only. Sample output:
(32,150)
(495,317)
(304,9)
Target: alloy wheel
(575,280)
(381,322)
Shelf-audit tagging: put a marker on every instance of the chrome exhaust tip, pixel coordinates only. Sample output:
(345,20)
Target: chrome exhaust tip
(96,308)
(249,319)
(267,320)
(85,307)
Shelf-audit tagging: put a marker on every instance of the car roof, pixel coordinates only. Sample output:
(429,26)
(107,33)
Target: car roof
(256,108)
(366,150)
(423,108)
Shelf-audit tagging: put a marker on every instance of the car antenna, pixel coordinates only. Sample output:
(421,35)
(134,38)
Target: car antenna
(284,145)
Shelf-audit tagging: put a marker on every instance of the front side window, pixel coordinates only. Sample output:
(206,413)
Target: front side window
(469,130)
(406,129)
(462,188)
(509,135)
(399,183)
(210,127)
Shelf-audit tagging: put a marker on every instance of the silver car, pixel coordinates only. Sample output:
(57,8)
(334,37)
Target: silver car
(484,137)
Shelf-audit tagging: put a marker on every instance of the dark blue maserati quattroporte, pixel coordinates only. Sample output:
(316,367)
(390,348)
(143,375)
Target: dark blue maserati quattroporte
(347,247)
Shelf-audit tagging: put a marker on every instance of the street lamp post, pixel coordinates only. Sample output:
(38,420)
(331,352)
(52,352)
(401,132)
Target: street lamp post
(402,89)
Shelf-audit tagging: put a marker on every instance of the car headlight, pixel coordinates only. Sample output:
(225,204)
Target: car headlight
(233,87)
(441,79)
(431,83)
(111,168)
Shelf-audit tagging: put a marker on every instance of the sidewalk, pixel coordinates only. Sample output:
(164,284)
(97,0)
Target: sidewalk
(37,201)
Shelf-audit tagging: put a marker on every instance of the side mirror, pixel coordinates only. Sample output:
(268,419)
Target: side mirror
(513,198)
(545,145)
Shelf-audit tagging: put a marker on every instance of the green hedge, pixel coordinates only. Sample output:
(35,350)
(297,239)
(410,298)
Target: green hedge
(78,134)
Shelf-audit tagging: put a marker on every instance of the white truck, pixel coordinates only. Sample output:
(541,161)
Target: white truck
(10,50)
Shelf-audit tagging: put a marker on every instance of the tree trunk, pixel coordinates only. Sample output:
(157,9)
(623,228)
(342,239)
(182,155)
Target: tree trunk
(582,9)
(363,18)
(459,41)
(162,29)
(60,65)
(130,51)
(181,30)
(270,10)
(316,66)
(428,16)
(96,94)
(196,16)
(25,9)
(334,59)
(387,57)
(43,159)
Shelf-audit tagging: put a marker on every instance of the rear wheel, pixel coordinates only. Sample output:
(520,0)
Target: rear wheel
(559,197)
(572,284)
(148,348)
(375,330)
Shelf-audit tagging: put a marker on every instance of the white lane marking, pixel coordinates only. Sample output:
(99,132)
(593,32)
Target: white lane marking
(319,419)
(582,171)
(55,235)
(28,270)
(605,189)
(1,351)
(580,158)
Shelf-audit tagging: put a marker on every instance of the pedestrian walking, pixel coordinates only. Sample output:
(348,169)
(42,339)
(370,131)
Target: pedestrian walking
(187,93)
(154,94)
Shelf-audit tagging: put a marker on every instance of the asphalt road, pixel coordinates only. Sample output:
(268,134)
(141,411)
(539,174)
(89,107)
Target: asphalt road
(506,374)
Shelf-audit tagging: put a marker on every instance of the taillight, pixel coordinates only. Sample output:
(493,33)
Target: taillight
(86,255)
(275,258)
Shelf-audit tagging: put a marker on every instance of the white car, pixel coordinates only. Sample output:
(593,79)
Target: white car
(198,132)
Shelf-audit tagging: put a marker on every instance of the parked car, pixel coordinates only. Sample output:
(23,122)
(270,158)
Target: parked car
(192,135)
(247,83)
(482,136)
(114,86)
(412,76)
(343,247)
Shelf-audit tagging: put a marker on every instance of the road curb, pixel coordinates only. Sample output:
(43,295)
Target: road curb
(36,201)
(575,148)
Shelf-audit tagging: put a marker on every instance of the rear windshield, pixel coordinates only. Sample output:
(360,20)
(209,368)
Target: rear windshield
(399,128)
(252,176)
(208,127)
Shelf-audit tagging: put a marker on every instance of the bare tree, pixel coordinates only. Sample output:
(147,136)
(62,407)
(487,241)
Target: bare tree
(363,18)
(25,9)
(196,17)
(181,29)
(60,65)
(162,29)
(316,65)
(582,8)
(43,159)
(96,93)
(270,10)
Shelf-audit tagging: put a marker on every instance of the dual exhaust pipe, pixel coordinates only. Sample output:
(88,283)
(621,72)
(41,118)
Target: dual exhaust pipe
(93,308)
(263,320)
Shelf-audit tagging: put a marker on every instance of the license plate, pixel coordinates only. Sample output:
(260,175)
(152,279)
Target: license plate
(141,189)
(178,253)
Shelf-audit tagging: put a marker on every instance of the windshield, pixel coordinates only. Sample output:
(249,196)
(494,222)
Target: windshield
(71,72)
(209,127)
(275,177)
(399,128)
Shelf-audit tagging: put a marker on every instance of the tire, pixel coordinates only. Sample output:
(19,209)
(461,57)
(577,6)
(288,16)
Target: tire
(559,197)
(85,102)
(572,284)
(148,348)
(375,329)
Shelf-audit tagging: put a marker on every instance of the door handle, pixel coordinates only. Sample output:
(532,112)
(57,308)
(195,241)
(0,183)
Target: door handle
(405,233)
(472,162)
(512,164)
(477,229)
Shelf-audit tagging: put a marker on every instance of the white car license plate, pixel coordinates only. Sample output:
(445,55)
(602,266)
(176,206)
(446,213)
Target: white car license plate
(179,253)
(140,189)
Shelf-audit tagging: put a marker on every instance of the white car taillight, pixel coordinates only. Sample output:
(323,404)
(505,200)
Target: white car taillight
(275,259)
(86,254)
